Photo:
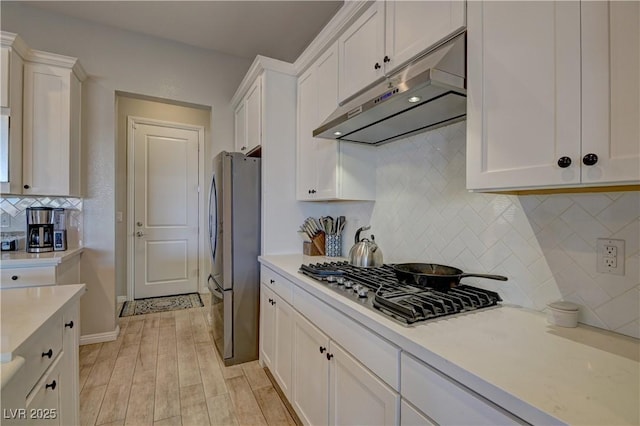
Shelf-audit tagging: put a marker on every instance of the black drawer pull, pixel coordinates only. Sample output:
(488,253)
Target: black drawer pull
(386,59)
(377,66)
(69,324)
(52,385)
(322,349)
(26,187)
(48,354)
(14,277)
(329,356)
(271,301)
(272,281)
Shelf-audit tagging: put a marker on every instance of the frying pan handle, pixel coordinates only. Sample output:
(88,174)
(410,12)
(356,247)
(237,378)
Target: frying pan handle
(489,276)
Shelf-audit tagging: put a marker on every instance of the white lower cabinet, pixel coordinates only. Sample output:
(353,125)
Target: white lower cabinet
(45,391)
(410,416)
(444,400)
(276,336)
(331,387)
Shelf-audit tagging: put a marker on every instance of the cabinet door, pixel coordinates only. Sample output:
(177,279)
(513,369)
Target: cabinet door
(43,402)
(70,379)
(361,49)
(523,105)
(356,395)
(240,120)
(267,326)
(326,150)
(283,325)
(51,144)
(310,373)
(611,90)
(414,26)
(306,167)
(254,115)
(12,87)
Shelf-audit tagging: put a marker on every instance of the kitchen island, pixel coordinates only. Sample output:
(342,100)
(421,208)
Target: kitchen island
(508,357)
(39,365)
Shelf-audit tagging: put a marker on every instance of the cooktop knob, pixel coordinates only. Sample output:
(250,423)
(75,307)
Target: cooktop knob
(357,287)
(363,292)
(331,279)
(348,283)
(340,280)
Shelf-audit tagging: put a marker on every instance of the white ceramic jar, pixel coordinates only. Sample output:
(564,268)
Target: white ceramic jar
(563,314)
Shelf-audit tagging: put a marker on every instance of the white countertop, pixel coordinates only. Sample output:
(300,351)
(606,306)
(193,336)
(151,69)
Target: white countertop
(25,310)
(511,355)
(22,259)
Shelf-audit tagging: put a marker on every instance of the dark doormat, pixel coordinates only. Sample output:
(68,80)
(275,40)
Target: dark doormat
(161,304)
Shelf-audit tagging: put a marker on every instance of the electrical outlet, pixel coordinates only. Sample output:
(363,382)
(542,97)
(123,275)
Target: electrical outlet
(5,220)
(610,256)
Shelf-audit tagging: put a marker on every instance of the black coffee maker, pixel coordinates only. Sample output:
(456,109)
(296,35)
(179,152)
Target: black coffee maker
(39,229)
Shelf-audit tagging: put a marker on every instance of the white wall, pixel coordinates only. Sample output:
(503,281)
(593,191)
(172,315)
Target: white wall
(117,60)
(545,244)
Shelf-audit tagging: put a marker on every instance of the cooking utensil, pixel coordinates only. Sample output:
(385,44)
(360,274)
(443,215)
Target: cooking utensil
(437,277)
(365,253)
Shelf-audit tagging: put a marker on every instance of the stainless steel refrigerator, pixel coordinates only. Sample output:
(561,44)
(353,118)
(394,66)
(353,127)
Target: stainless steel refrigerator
(234,235)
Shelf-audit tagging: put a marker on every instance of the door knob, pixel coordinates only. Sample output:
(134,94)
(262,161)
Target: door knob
(139,234)
(139,223)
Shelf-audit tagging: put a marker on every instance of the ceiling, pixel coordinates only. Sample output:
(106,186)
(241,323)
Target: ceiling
(277,29)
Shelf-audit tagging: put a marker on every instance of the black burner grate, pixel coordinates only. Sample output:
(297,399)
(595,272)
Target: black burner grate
(405,303)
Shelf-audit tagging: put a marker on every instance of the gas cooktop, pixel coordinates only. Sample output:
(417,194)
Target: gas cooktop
(379,289)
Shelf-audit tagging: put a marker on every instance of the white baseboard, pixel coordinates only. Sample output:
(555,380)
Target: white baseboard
(121,299)
(100,337)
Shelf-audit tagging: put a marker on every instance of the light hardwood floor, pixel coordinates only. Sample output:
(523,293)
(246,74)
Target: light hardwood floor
(164,370)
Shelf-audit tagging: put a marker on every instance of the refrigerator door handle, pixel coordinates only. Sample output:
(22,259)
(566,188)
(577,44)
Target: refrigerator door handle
(213,225)
(215,289)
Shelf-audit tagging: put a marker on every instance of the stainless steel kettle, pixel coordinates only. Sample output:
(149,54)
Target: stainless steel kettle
(365,253)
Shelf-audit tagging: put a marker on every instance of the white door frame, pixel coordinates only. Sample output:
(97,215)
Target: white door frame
(202,260)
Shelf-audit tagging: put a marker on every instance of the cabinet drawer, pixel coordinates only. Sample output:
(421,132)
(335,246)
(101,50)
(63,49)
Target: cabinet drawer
(47,340)
(43,403)
(276,282)
(377,354)
(446,401)
(27,277)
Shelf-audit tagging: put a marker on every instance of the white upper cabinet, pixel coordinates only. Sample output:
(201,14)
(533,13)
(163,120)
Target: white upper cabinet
(361,50)
(389,34)
(51,140)
(611,91)
(248,119)
(531,121)
(11,78)
(327,169)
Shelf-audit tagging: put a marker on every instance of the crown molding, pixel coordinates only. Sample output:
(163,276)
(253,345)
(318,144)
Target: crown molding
(54,59)
(260,63)
(16,43)
(349,11)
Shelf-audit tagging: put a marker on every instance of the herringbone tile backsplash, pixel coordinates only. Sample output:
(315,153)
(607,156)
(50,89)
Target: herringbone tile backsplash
(545,244)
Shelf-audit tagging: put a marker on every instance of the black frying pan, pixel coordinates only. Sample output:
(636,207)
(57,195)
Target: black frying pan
(437,277)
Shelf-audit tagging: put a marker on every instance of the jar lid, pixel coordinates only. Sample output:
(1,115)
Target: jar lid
(564,306)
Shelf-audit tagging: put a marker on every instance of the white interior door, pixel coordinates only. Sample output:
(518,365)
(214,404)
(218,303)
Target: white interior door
(165,210)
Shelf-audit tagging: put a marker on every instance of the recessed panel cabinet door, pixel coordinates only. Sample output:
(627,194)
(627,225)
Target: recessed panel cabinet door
(523,105)
(283,324)
(310,373)
(267,326)
(611,90)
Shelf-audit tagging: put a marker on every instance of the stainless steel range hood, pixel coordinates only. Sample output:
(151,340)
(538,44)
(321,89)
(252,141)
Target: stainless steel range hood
(428,93)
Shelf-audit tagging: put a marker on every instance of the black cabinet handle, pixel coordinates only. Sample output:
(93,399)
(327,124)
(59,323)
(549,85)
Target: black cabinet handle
(52,385)
(313,191)
(329,356)
(243,148)
(322,349)
(272,281)
(377,66)
(69,324)
(271,301)
(564,162)
(26,187)
(590,159)
(48,354)
(14,277)
(386,59)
